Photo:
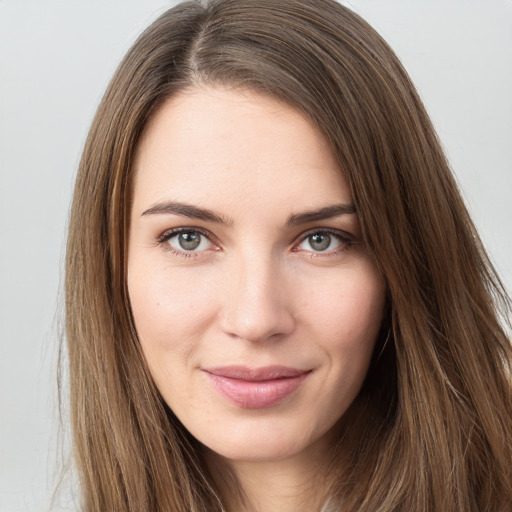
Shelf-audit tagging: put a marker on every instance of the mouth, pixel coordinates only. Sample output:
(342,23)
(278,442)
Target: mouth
(256,388)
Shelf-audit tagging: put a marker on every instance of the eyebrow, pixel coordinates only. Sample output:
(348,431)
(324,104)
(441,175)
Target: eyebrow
(186,210)
(327,212)
(195,212)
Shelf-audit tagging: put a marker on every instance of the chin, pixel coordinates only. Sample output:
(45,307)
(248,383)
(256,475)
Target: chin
(263,451)
(264,443)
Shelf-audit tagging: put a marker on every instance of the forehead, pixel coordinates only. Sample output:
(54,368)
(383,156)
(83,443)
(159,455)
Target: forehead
(217,145)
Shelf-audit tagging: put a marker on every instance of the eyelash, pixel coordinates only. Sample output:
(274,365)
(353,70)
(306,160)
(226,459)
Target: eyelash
(346,241)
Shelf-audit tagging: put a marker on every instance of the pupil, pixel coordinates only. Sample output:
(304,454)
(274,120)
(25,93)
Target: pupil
(189,241)
(319,242)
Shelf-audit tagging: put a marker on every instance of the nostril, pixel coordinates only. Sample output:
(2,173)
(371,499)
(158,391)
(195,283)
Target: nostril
(257,324)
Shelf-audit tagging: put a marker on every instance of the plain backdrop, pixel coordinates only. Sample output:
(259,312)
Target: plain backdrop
(56,58)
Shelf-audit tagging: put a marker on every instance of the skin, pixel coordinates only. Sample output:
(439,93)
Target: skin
(256,291)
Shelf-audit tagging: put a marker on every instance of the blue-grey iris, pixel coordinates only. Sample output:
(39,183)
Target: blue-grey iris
(189,241)
(319,242)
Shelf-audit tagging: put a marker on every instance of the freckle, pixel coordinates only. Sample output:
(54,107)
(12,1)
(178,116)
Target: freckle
(158,303)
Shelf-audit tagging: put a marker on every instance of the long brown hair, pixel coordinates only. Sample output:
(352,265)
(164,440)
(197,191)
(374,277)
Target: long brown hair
(431,428)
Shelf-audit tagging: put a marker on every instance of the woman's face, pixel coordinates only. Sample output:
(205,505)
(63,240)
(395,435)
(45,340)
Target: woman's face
(254,298)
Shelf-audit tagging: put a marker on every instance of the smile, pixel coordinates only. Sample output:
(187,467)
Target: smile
(256,388)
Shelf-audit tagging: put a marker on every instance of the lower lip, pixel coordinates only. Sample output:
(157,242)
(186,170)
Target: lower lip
(256,394)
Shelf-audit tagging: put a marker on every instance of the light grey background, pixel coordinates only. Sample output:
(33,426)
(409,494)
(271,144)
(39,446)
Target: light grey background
(56,58)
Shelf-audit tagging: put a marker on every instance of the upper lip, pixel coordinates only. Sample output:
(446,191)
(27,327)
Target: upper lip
(256,374)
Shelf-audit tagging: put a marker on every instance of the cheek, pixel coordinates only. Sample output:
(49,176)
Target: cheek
(169,309)
(347,325)
(346,321)
(348,310)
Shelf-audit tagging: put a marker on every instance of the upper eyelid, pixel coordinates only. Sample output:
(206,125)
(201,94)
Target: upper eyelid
(330,231)
(169,233)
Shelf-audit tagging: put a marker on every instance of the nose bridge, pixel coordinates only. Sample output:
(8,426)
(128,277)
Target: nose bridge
(258,306)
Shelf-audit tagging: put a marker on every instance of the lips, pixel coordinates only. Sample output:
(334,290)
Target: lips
(256,388)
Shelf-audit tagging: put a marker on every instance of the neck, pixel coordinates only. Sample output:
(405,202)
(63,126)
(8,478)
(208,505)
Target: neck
(299,483)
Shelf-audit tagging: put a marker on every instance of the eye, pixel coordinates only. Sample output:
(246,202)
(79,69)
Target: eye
(324,241)
(186,240)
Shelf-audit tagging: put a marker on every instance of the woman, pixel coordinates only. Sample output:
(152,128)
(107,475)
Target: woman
(278,300)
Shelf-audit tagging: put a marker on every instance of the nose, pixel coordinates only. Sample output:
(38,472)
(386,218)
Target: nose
(258,302)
